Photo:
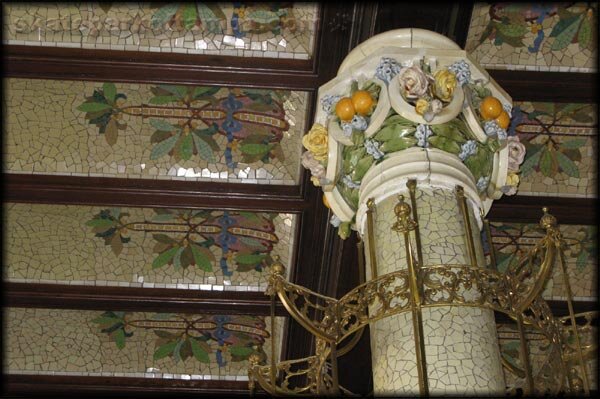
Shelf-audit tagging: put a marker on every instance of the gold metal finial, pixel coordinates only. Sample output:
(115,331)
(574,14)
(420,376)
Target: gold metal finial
(547,221)
(403,221)
(254,359)
(371,204)
(411,184)
(277,267)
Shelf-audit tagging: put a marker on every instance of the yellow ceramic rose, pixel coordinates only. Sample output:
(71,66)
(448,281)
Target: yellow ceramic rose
(316,142)
(421,106)
(445,83)
(512,179)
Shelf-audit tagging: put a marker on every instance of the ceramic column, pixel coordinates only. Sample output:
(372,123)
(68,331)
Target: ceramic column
(461,349)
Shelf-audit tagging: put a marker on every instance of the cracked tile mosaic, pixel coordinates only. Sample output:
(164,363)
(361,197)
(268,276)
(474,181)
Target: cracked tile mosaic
(558,37)
(513,240)
(460,343)
(144,247)
(135,344)
(154,131)
(269,30)
(562,148)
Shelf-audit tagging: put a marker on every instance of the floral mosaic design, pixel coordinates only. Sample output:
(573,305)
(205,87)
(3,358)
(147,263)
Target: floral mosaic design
(146,345)
(561,143)
(154,131)
(245,238)
(545,36)
(186,336)
(273,30)
(514,240)
(144,247)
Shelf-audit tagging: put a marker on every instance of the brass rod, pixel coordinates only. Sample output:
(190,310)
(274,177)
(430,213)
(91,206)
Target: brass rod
(524,352)
(412,185)
(586,385)
(417,319)
(361,260)
(464,210)
(371,234)
(488,235)
(334,368)
(273,382)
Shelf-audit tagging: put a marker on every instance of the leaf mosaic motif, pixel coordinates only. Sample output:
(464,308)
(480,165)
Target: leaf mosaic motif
(184,238)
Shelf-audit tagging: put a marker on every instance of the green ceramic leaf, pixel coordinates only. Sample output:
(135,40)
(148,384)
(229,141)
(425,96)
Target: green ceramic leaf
(567,165)
(163,15)
(119,337)
(164,258)
(186,147)
(565,37)
(111,133)
(255,149)
(158,100)
(394,131)
(445,144)
(188,15)
(199,353)
(93,107)
(361,168)
(546,162)
(100,223)
(353,87)
(573,143)
(201,259)
(165,350)
(397,119)
(397,144)
(209,18)
(162,125)
(449,131)
(164,147)
(344,230)
(250,259)
(242,351)
(204,150)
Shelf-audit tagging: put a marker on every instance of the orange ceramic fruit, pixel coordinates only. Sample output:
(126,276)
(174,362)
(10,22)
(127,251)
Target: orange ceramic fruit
(344,109)
(490,108)
(362,102)
(503,120)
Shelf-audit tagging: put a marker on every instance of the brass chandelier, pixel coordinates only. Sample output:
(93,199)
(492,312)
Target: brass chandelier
(413,163)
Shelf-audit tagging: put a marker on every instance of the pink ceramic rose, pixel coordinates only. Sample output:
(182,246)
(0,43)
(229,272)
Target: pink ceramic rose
(516,153)
(413,82)
(317,169)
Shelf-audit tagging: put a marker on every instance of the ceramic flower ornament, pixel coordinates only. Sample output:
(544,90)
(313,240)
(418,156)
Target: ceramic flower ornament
(316,142)
(445,83)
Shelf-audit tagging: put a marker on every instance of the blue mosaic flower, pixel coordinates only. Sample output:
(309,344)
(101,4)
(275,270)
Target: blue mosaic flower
(329,101)
(422,135)
(387,69)
(467,149)
(372,148)
(462,70)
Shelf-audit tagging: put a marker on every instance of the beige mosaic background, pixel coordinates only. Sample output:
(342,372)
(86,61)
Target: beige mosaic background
(69,342)
(248,30)
(46,133)
(512,240)
(558,37)
(53,244)
(562,148)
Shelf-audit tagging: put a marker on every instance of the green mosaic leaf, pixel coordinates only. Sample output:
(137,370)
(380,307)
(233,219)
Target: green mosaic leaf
(567,165)
(106,320)
(531,160)
(177,351)
(186,148)
(204,150)
(582,260)
(164,14)
(565,37)
(164,147)
(242,351)
(199,353)
(189,15)
(164,238)
(177,258)
(162,125)
(110,92)
(101,223)
(263,16)
(512,30)
(204,91)
(119,337)
(573,143)
(585,33)
(176,90)
(165,350)
(249,259)
(546,163)
(116,244)
(158,100)
(210,18)
(255,149)
(93,107)
(164,258)
(111,133)
(201,259)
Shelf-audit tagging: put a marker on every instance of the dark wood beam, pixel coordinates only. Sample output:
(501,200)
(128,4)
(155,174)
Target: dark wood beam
(167,300)
(152,193)
(528,209)
(558,87)
(19,385)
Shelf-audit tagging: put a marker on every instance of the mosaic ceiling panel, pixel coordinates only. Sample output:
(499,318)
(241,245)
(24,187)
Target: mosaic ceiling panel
(144,247)
(513,240)
(558,37)
(270,30)
(562,148)
(154,131)
(135,344)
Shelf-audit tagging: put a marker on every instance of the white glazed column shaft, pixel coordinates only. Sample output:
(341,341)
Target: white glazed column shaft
(462,354)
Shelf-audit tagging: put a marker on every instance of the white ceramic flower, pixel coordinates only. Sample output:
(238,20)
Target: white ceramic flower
(413,82)
(516,153)
(317,170)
